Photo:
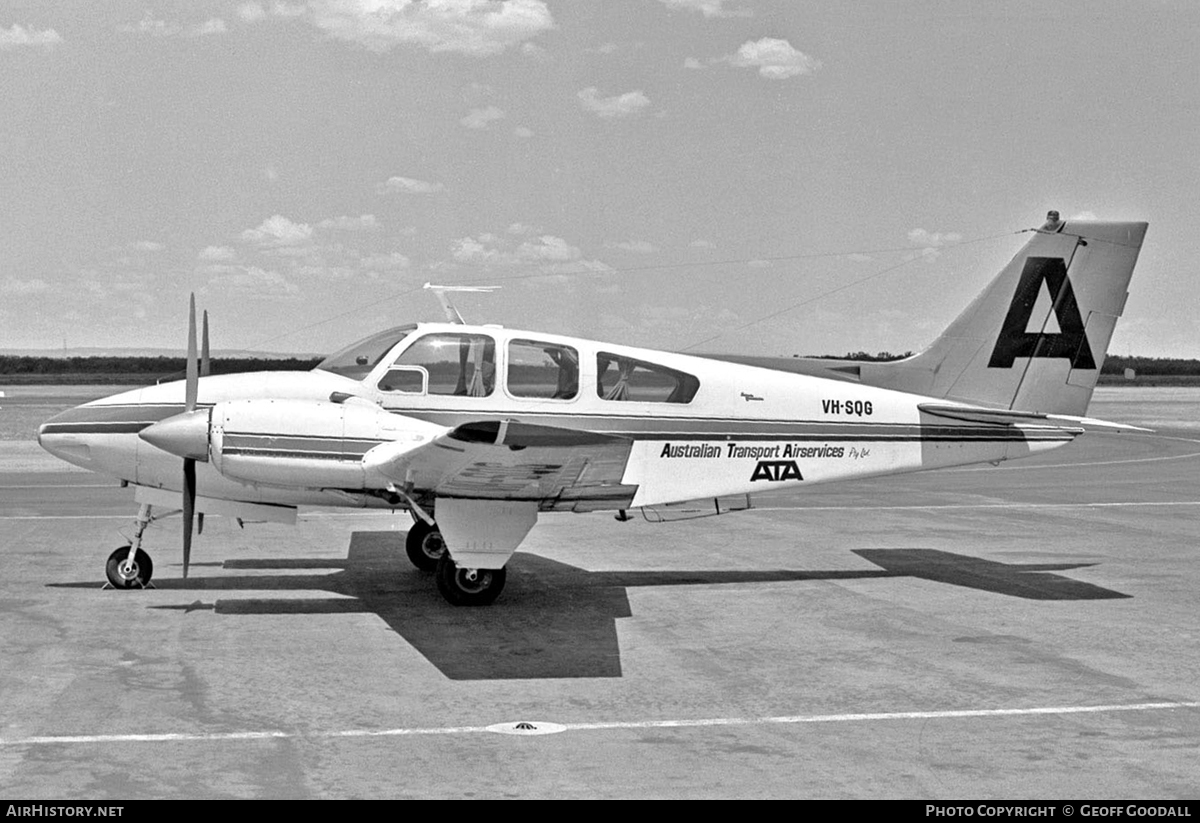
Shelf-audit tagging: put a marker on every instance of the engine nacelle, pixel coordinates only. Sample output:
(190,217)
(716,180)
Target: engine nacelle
(306,443)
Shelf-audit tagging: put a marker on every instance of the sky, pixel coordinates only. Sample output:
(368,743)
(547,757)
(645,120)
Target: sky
(745,176)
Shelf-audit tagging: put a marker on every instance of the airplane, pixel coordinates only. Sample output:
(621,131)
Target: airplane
(475,430)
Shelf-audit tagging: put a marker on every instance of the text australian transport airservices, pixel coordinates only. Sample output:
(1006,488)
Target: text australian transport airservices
(706,451)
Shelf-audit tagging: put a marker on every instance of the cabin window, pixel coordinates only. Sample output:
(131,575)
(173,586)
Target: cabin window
(404,379)
(623,378)
(356,360)
(456,364)
(542,370)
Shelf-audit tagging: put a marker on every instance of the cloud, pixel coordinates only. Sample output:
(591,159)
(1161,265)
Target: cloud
(709,8)
(491,250)
(251,12)
(638,246)
(12,285)
(162,28)
(1084,215)
(932,239)
(214,25)
(522,132)
(479,28)
(774,58)
(408,185)
(278,231)
(932,242)
(631,102)
(214,253)
(480,118)
(692,63)
(254,280)
(548,248)
(388,262)
(148,245)
(18,35)
(366,222)
(702,244)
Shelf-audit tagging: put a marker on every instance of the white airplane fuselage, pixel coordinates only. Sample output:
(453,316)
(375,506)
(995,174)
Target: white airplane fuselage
(745,430)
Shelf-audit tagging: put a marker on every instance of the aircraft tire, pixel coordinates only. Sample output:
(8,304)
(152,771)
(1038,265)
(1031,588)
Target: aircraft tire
(459,590)
(424,546)
(143,569)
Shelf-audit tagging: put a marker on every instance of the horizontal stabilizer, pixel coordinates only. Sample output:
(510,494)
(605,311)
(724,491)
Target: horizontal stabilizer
(976,414)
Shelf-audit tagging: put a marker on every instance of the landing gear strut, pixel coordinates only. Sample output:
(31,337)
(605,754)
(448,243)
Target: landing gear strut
(468,587)
(424,546)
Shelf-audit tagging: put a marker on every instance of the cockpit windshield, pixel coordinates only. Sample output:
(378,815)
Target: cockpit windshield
(356,360)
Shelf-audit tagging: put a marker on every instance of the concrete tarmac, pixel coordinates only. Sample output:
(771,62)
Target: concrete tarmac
(1026,631)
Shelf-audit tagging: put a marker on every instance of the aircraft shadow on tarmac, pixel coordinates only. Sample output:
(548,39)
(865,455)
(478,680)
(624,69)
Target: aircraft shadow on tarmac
(555,620)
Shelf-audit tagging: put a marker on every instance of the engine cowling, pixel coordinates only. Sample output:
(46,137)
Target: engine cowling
(305,443)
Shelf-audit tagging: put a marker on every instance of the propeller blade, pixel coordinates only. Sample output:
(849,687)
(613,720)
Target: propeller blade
(192,388)
(189,510)
(205,365)
(193,376)
(200,523)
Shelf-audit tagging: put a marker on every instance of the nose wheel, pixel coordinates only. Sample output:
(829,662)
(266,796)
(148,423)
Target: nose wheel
(468,587)
(128,572)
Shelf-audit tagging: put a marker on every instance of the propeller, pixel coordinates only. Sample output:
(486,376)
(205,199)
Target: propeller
(192,388)
(205,370)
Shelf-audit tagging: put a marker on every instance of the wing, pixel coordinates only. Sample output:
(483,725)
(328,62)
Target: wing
(562,469)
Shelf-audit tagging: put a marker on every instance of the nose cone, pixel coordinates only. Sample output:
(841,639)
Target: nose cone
(61,437)
(185,435)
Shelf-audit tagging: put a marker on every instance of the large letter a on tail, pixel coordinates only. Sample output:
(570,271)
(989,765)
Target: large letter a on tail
(1016,341)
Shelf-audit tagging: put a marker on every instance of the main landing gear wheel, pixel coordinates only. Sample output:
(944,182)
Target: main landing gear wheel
(468,587)
(425,546)
(133,575)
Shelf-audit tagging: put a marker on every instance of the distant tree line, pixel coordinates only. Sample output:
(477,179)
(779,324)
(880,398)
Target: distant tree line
(1147,366)
(1113,364)
(165,367)
(878,357)
(173,368)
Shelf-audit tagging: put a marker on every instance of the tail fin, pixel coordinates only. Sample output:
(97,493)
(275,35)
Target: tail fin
(1036,338)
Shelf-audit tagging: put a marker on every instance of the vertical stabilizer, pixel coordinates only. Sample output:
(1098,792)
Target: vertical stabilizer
(1036,338)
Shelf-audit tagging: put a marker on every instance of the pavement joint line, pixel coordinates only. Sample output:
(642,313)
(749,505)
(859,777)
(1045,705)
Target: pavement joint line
(1072,465)
(950,714)
(801,508)
(938,506)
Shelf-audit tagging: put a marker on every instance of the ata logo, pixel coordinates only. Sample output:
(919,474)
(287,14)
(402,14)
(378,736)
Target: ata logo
(776,470)
(1071,341)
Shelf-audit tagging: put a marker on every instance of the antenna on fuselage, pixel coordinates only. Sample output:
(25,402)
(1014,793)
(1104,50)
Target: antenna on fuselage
(452,315)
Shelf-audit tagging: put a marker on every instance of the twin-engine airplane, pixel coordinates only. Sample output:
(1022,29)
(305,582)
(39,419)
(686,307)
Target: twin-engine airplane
(475,430)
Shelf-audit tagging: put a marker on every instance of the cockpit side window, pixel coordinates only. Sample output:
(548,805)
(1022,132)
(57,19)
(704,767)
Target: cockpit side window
(542,370)
(356,360)
(623,378)
(456,364)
